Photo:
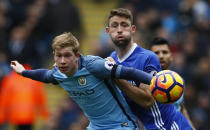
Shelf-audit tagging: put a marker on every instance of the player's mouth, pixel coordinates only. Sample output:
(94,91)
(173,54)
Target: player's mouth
(63,69)
(162,62)
(120,38)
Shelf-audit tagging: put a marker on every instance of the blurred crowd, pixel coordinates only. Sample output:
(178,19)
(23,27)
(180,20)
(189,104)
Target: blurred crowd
(28,26)
(26,31)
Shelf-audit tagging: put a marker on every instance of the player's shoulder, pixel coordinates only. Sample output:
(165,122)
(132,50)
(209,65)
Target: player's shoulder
(142,51)
(91,57)
(113,54)
(91,61)
(148,58)
(96,66)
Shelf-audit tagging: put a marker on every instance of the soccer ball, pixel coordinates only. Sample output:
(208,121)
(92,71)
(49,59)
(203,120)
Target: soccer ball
(167,86)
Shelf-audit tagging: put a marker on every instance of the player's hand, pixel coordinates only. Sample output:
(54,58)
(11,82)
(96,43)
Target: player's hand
(17,67)
(110,59)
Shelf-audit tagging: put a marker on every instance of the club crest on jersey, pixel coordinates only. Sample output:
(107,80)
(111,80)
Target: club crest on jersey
(82,81)
(109,64)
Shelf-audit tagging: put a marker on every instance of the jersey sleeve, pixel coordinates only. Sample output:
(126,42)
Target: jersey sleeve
(99,67)
(129,73)
(106,69)
(43,75)
(152,64)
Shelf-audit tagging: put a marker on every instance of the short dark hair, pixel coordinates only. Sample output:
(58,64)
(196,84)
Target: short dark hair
(159,41)
(122,12)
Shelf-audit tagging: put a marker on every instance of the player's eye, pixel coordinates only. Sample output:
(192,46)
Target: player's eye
(157,52)
(124,24)
(114,25)
(165,52)
(67,55)
(58,55)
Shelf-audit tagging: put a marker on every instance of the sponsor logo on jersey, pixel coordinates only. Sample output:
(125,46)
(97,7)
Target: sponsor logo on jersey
(82,93)
(82,81)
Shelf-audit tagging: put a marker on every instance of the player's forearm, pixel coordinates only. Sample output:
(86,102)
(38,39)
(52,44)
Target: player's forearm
(136,75)
(185,113)
(140,95)
(38,74)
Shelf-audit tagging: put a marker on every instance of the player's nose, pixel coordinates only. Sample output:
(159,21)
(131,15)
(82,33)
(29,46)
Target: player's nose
(63,60)
(160,55)
(119,29)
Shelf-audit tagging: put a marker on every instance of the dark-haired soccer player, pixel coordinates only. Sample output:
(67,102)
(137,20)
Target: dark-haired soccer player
(161,47)
(128,53)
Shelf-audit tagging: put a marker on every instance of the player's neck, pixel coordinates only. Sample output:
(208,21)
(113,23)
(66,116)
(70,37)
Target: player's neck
(121,52)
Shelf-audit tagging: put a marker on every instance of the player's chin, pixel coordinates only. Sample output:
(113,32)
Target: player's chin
(163,66)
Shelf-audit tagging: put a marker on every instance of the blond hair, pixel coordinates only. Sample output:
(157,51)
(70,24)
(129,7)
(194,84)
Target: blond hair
(122,12)
(65,40)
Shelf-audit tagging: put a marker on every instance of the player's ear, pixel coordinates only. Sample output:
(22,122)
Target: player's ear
(133,27)
(77,54)
(107,29)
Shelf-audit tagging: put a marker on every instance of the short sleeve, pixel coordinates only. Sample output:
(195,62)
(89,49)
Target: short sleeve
(152,64)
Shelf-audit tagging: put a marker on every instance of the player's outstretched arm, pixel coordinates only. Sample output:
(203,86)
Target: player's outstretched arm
(128,73)
(43,75)
(138,76)
(17,67)
(140,95)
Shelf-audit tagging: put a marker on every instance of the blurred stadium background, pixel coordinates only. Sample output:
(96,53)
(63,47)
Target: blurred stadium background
(28,26)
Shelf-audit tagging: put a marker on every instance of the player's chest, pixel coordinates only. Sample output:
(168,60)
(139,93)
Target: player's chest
(83,83)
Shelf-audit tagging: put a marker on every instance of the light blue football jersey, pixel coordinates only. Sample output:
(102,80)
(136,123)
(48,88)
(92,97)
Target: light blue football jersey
(88,88)
(159,116)
(178,103)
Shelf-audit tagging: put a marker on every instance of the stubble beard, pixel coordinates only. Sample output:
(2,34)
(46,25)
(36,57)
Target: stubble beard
(122,43)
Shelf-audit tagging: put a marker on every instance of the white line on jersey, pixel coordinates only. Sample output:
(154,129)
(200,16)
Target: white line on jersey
(157,116)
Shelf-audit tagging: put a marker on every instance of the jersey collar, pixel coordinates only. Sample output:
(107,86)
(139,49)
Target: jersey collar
(131,50)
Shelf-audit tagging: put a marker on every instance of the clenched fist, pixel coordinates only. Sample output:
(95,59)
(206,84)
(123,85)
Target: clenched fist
(17,67)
